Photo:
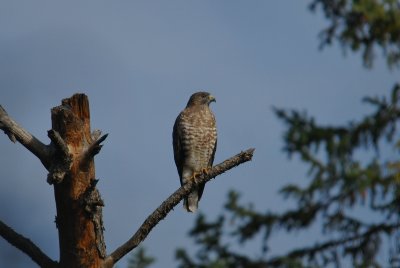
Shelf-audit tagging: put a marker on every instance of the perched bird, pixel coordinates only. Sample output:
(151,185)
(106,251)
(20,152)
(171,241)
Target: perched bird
(194,141)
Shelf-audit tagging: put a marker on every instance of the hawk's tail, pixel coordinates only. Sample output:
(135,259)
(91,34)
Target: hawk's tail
(191,202)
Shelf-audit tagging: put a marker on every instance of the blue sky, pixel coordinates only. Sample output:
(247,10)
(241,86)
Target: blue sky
(139,61)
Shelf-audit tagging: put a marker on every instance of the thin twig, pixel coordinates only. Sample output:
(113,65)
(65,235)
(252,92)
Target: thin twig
(26,246)
(95,147)
(154,218)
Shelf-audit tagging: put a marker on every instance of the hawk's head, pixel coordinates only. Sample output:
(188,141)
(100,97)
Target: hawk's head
(200,98)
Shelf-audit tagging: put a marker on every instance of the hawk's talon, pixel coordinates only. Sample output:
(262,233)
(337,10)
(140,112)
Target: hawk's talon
(206,170)
(195,174)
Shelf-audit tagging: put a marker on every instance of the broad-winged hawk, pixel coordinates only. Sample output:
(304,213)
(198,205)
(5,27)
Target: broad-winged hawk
(194,142)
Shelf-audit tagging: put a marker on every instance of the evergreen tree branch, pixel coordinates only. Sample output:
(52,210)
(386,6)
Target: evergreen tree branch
(362,26)
(313,250)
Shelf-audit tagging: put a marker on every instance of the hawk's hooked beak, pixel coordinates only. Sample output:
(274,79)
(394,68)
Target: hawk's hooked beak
(211,98)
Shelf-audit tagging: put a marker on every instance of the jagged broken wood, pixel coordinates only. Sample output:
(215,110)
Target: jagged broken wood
(69,160)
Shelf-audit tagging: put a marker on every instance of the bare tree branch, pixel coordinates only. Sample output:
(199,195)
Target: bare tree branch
(161,212)
(95,147)
(61,158)
(26,246)
(59,143)
(17,133)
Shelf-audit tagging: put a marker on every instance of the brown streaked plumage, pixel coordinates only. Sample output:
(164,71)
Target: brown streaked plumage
(194,141)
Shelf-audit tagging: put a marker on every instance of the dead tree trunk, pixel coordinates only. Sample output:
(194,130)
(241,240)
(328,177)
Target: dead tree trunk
(69,158)
(79,206)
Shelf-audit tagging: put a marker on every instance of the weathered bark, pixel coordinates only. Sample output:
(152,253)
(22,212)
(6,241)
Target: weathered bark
(77,200)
